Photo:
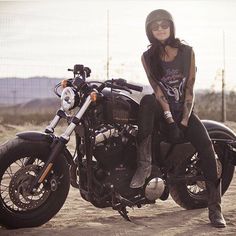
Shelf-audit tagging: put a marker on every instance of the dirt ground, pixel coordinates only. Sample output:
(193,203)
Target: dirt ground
(78,217)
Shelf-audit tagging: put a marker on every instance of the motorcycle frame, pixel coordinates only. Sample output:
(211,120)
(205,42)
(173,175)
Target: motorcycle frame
(230,152)
(59,143)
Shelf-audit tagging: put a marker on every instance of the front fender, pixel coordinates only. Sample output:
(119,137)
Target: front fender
(220,130)
(48,138)
(35,136)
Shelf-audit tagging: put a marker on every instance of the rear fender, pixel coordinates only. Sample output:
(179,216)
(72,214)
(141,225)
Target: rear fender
(180,152)
(218,130)
(231,147)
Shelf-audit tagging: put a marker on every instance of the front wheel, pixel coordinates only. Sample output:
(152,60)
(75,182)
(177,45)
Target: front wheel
(194,195)
(20,162)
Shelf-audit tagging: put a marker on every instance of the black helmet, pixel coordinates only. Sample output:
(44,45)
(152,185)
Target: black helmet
(157,15)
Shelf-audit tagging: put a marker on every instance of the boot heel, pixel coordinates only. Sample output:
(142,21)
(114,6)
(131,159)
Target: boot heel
(214,205)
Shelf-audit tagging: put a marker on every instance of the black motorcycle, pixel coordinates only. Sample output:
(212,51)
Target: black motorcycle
(36,168)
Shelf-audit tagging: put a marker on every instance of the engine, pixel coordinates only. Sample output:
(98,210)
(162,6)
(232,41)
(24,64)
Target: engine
(115,145)
(116,162)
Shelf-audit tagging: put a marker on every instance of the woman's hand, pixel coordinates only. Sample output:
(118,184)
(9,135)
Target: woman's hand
(175,134)
(183,127)
(184,122)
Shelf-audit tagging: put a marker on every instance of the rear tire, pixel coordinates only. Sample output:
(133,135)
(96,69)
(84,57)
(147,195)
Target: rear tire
(191,199)
(19,209)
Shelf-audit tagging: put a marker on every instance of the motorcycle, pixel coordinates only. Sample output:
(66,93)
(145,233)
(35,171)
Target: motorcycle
(37,169)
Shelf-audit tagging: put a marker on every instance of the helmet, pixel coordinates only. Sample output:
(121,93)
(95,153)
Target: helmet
(157,15)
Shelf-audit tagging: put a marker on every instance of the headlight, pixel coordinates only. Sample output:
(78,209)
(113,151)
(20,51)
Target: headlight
(67,99)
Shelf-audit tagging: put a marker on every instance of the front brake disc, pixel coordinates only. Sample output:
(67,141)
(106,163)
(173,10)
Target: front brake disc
(19,185)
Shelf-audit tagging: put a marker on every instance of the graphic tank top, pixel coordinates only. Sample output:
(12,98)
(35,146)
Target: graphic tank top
(173,81)
(173,84)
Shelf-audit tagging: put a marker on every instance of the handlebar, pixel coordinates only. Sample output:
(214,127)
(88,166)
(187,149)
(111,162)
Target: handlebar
(124,84)
(84,72)
(115,86)
(134,87)
(81,73)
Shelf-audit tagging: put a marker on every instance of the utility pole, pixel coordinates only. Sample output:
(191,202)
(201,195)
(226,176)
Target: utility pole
(14,101)
(223,105)
(108,59)
(14,96)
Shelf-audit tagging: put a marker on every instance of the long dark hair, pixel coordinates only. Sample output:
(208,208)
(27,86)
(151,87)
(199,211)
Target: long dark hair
(157,50)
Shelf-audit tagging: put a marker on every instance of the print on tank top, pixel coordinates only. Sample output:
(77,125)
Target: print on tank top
(173,84)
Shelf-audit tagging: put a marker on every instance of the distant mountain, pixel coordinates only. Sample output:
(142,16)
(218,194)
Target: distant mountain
(40,105)
(18,90)
(35,96)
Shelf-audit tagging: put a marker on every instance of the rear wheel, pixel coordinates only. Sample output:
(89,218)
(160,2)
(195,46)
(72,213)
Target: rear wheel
(20,162)
(193,195)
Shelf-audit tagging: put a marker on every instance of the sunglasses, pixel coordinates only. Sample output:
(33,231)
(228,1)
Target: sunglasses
(163,25)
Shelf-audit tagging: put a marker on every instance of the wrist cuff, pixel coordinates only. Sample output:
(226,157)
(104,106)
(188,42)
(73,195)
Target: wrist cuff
(167,115)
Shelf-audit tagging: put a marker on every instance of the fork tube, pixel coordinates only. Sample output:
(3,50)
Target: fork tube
(71,127)
(60,114)
(59,146)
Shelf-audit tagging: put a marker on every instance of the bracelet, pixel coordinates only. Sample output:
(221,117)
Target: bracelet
(167,115)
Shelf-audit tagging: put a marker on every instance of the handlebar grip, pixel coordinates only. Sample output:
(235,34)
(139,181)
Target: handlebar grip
(134,87)
(114,86)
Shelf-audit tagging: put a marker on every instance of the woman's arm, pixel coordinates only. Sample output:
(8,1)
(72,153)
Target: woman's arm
(159,94)
(164,104)
(189,93)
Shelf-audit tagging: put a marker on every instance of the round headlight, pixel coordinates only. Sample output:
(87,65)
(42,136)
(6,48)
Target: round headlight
(67,99)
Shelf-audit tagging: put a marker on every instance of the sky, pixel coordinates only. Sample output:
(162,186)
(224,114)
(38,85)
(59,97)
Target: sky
(44,38)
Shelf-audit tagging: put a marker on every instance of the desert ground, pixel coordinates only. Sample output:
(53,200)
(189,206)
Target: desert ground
(78,217)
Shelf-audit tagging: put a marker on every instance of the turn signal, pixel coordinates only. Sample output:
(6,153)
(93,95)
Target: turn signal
(64,83)
(93,96)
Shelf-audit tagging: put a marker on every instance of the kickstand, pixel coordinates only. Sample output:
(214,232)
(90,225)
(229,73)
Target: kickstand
(124,213)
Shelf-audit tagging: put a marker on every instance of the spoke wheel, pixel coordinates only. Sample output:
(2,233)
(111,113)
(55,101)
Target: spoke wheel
(20,163)
(193,195)
(198,189)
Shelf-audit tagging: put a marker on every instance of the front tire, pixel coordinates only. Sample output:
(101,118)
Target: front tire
(194,196)
(20,161)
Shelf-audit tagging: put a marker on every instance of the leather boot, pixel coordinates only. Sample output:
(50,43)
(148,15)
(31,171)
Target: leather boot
(214,200)
(144,156)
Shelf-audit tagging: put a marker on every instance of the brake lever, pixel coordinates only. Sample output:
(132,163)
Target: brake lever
(122,88)
(126,89)
(117,86)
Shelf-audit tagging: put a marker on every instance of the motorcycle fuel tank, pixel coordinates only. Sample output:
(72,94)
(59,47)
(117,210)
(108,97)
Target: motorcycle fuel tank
(119,108)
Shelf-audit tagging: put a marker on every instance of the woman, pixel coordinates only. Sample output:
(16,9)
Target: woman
(170,68)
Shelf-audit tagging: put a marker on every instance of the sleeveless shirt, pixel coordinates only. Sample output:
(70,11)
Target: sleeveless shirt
(174,79)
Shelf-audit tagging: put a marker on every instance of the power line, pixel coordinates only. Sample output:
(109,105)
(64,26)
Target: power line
(223,83)
(108,42)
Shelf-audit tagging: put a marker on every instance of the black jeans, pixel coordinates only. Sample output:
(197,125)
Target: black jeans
(151,117)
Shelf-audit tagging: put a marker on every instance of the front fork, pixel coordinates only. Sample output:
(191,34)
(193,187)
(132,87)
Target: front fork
(59,144)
